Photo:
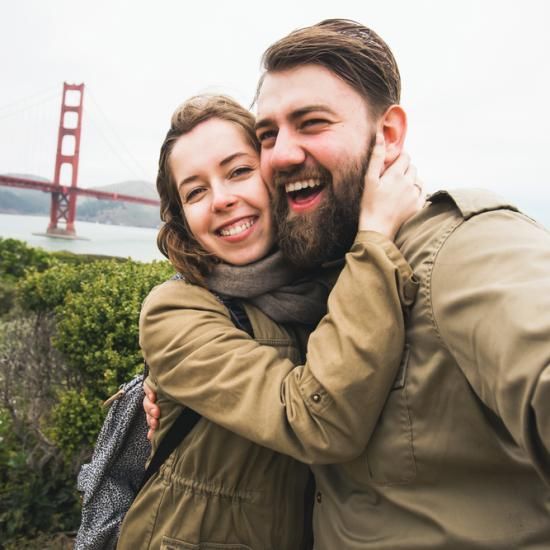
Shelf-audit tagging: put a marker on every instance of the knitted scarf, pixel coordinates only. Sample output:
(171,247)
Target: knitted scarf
(282,292)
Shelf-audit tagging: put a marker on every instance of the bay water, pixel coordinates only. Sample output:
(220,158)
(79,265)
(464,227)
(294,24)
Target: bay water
(137,243)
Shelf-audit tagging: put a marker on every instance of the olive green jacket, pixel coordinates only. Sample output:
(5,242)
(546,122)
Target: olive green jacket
(219,489)
(460,458)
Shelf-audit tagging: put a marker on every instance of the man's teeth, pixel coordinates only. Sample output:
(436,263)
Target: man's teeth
(236,229)
(297,185)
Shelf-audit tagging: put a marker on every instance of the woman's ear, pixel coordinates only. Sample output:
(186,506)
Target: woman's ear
(393,124)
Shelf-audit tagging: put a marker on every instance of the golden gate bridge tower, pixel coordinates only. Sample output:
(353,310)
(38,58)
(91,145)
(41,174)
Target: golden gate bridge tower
(63,204)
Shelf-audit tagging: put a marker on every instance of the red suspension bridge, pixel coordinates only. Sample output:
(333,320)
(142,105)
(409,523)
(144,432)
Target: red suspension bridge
(64,189)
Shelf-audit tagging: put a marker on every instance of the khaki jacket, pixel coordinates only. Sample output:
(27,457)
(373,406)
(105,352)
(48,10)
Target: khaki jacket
(460,458)
(219,489)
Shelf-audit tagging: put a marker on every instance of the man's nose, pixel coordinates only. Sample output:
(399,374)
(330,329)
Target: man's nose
(286,152)
(222,197)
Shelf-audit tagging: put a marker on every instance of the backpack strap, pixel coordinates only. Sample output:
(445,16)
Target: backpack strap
(188,418)
(183,424)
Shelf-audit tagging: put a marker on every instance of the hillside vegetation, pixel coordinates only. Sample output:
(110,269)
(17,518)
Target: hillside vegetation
(68,339)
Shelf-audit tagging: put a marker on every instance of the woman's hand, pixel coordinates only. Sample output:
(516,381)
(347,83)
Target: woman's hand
(391,198)
(152,411)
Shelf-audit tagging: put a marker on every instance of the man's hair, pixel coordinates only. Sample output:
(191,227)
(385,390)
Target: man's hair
(175,240)
(350,50)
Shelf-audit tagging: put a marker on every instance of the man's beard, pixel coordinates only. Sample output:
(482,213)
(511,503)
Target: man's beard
(327,232)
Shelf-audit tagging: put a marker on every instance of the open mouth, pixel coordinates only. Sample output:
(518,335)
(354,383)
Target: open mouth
(304,193)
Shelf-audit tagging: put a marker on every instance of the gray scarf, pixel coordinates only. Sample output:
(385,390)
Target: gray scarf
(282,292)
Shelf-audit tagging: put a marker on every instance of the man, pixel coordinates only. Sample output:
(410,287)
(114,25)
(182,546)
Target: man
(460,456)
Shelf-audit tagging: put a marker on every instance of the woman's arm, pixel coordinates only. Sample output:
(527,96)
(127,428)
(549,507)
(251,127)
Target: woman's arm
(323,411)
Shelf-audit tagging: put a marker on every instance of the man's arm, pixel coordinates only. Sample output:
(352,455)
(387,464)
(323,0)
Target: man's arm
(491,301)
(323,411)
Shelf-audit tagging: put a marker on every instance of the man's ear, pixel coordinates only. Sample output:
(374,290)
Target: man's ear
(393,124)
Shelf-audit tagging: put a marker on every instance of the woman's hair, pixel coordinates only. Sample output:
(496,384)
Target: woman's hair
(175,239)
(348,49)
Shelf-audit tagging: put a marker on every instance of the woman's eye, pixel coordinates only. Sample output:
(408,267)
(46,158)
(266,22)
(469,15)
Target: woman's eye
(240,171)
(194,194)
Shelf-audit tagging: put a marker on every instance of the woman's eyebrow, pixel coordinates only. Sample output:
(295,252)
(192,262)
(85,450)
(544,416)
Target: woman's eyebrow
(189,179)
(231,157)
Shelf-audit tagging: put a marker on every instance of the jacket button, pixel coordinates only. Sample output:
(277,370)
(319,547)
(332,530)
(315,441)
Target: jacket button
(319,497)
(316,397)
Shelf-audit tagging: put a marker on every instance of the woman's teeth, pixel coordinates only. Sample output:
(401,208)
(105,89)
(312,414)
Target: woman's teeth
(236,229)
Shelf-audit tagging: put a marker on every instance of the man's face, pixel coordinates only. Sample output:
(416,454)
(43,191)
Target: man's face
(316,138)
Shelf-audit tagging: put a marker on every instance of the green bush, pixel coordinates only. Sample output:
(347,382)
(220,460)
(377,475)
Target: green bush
(97,328)
(70,340)
(74,422)
(16,257)
(96,309)
(7,296)
(34,498)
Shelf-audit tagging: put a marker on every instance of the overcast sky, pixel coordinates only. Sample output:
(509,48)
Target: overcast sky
(476,80)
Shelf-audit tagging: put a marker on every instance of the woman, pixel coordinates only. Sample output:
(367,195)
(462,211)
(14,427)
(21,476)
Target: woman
(219,489)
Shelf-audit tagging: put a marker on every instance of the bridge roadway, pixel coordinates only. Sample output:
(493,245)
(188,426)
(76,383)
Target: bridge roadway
(48,187)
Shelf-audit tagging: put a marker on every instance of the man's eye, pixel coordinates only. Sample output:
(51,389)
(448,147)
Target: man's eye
(266,136)
(313,122)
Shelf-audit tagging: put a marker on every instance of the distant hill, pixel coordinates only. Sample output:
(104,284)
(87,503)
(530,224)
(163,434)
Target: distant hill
(121,213)
(24,201)
(31,202)
(139,188)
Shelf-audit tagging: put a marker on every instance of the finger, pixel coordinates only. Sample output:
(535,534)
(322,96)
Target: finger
(400,165)
(149,393)
(154,411)
(411,174)
(150,435)
(376,163)
(152,422)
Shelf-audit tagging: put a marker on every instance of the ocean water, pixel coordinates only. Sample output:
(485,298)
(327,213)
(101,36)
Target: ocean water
(138,243)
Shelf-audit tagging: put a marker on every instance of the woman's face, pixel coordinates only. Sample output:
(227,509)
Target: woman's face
(225,202)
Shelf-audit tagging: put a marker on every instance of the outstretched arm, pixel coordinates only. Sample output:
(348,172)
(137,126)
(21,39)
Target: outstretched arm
(491,301)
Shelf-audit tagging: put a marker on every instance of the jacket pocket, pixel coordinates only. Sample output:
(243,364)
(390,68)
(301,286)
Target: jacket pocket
(169,543)
(390,451)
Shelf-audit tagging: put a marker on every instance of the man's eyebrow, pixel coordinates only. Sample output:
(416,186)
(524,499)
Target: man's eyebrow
(263,123)
(297,113)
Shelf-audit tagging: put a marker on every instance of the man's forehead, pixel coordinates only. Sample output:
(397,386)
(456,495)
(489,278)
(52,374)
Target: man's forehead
(283,92)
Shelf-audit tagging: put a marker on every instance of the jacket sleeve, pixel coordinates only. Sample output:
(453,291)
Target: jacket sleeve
(491,302)
(321,412)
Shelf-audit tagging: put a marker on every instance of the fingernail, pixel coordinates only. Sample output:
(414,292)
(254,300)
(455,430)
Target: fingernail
(379,138)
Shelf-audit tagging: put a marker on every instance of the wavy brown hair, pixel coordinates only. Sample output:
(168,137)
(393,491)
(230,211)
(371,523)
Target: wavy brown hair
(175,239)
(348,49)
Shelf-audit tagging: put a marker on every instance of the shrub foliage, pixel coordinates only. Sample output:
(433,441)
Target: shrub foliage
(68,339)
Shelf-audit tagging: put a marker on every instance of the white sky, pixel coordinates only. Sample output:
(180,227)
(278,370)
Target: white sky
(476,80)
